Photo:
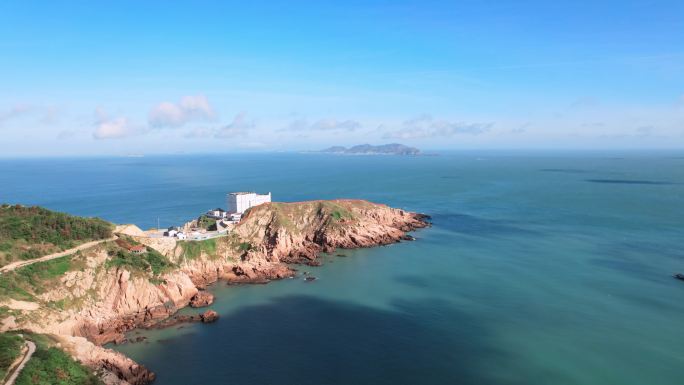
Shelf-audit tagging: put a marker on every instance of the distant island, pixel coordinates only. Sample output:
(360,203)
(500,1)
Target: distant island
(368,149)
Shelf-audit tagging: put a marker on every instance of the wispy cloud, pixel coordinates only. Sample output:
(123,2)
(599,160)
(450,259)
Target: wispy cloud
(425,126)
(200,132)
(66,134)
(43,114)
(190,108)
(13,112)
(240,126)
(323,125)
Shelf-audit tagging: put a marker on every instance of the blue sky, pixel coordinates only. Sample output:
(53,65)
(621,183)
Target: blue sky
(117,77)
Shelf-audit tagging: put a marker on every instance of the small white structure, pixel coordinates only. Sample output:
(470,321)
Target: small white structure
(235,217)
(217,213)
(171,232)
(239,202)
(181,235)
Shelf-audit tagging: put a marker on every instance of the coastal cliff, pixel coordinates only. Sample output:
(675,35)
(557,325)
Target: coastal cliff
(104,292)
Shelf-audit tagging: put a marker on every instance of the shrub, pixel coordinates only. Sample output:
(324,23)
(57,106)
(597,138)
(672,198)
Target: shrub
(31,232)
(10,348)
(49,365)
(151,261)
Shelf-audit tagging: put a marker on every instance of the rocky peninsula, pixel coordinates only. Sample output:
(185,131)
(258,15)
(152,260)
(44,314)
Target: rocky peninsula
(95,296)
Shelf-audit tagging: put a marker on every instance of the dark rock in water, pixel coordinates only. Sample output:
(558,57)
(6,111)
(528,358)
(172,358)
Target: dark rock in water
(341,255)
(202,299)
(314,263)
(310,279)
(679,276)
(139,339)
(209,316)
(408,238)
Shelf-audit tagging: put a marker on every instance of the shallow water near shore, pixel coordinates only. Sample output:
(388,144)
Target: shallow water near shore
(540,268)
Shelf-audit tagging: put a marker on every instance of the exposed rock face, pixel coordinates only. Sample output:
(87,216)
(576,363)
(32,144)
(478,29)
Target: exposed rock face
(117,368)
(112,300)
(209,316)
(202,299)
(123,303)
(298,232)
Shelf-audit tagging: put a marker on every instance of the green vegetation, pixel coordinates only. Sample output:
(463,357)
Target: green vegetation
(150,261)
(10,349)
(38,277)
(337,211)
(295,217)
(245,246)
(51,366)
(193,249)
(31,232)
(204,222)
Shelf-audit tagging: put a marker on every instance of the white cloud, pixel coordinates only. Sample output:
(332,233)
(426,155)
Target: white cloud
(113,128)
(424,126)
(190,108)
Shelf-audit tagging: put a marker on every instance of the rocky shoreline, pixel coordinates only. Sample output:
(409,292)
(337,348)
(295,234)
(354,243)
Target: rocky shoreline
(263,247)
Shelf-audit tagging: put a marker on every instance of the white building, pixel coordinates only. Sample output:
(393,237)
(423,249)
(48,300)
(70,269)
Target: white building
(217,213)
(171,232)
(239,202)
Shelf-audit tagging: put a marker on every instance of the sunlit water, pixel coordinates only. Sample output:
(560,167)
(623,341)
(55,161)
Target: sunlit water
(540,268)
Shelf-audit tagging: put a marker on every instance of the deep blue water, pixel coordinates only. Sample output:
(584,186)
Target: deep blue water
(541,268)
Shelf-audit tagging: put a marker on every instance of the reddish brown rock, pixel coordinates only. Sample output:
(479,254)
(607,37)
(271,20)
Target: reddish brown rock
(277,234)
(209,316)
(202,299)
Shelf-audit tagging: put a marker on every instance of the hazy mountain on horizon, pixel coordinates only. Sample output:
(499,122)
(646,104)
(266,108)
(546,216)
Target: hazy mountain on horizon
(368,149)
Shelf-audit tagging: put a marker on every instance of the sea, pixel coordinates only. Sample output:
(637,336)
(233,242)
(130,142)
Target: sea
(542,267)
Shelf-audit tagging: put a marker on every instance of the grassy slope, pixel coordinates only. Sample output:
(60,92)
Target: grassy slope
(193,249)
(26,282)
(10,348)
(294,217)
(31,232)
(150,262)
(52,366)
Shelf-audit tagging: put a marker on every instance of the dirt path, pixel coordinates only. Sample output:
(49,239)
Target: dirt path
(27,356)
(18,264)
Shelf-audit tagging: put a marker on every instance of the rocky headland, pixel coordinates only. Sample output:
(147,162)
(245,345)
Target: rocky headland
(101,293)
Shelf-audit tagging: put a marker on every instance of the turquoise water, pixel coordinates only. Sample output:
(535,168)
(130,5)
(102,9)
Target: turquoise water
(542,268)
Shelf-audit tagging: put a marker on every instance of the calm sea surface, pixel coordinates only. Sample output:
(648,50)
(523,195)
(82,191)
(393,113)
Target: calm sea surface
(542,268)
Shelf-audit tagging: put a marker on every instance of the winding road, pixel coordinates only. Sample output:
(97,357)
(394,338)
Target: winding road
(18,264)
(27,356)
